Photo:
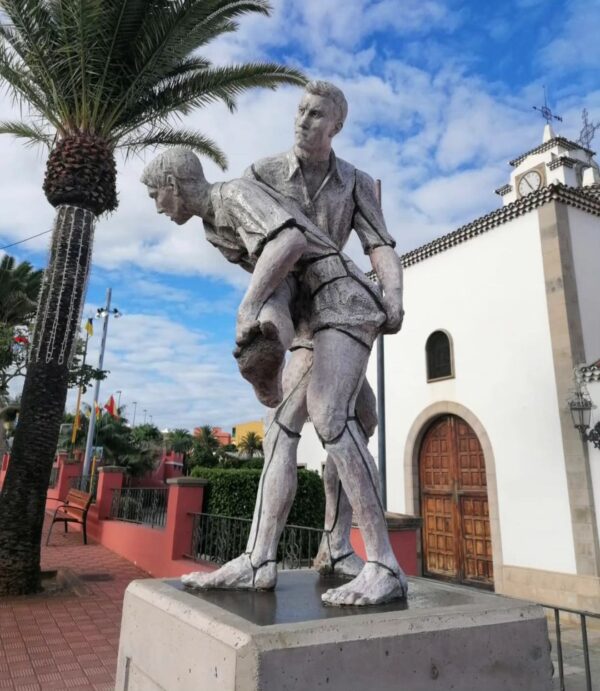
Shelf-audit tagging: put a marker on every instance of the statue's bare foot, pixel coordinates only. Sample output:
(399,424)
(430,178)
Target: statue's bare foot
(260,359)
(374,585)
(237,574)
(346,564)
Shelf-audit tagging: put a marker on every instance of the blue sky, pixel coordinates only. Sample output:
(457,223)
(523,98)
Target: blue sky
(440,94)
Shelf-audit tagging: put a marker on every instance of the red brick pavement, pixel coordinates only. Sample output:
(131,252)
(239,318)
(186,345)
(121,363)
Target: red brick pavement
(67,641)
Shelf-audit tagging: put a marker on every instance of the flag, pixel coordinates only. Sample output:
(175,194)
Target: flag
(76,427)
(98,410)
(89,327)
(111,408)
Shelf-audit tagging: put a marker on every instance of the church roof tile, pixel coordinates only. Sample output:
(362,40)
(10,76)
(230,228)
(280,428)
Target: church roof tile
(563,142)
(585,198)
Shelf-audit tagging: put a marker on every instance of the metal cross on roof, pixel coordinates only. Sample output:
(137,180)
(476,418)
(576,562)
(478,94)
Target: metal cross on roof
(547,114)
(587,131)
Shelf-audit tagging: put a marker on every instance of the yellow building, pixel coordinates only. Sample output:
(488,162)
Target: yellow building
(238,432)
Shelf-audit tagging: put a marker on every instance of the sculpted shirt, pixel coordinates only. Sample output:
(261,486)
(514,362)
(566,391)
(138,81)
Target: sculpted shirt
(248,214)
(345,200)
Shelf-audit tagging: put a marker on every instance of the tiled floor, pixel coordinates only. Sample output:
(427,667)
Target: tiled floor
(67,641)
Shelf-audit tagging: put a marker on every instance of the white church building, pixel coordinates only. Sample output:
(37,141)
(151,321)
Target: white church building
(480,441)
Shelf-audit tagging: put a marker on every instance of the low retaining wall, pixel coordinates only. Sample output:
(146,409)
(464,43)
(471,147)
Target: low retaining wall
(404,538)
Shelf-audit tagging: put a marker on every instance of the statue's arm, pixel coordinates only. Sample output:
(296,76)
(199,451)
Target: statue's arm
(388,268)
(278,257)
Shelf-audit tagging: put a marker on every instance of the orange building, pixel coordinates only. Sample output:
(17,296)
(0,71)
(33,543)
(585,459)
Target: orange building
(224,438)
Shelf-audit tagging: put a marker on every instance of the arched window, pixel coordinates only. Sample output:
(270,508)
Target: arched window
(439,356)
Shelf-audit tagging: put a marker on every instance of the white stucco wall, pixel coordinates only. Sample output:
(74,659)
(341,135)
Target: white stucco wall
(310,451)
(489,294)
(585,241)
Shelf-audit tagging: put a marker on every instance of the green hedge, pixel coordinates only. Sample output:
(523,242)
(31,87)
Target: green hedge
(232,492)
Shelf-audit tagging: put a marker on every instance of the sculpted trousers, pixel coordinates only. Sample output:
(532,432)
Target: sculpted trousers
(279,479)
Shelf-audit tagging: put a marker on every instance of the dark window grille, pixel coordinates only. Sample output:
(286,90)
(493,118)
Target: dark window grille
(147,506)
(85,483)
(439,356)
(221,538)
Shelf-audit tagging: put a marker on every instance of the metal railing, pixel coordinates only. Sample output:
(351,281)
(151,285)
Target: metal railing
(582,615)
(53,477)
(219,539)
(85,483)
(146,506)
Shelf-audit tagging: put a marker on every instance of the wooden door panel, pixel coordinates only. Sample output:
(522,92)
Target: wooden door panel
(439,536)
(456,529)
(477,540)
(471,463)
(436,465)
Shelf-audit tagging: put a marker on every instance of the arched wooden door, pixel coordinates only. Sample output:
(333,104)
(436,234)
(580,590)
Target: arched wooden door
(457,543)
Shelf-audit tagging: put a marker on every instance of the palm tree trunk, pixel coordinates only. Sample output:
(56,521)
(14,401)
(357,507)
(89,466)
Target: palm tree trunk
(23,498)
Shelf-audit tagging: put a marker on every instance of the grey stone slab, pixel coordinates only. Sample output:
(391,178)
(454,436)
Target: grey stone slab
(444,638)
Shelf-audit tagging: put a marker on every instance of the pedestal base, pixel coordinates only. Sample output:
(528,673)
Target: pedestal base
(445,637)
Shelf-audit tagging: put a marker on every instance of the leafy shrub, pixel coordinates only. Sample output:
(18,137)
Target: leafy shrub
(232,492)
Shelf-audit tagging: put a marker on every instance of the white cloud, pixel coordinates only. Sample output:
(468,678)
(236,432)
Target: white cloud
(176,373)
(574,46)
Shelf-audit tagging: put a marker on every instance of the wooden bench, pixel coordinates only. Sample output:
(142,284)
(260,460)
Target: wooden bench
(74,510)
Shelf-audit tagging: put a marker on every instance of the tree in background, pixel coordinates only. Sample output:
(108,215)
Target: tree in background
(95,75)
(180,441)
(205,448)
(19,288)
(251,444)
(136,453)
(146,433)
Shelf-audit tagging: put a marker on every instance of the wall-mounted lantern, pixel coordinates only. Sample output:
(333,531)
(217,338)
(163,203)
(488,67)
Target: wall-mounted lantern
(580,406)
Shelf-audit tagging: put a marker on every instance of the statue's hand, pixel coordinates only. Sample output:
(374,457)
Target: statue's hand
(395,316)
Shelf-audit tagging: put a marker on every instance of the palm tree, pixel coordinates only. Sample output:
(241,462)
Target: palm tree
(250,444)
(19,288)
(179,440)
(95,75)
(205,446)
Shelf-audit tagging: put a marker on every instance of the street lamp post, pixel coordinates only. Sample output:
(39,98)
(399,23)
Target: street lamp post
(103,313)
(134,411)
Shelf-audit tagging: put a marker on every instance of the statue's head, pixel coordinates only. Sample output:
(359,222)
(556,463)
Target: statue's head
(172,179)
(321,115)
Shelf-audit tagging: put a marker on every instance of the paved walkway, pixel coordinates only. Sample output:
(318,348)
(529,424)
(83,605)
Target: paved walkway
(68,639)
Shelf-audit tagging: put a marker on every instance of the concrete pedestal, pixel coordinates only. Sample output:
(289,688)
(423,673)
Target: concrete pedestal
(445,637)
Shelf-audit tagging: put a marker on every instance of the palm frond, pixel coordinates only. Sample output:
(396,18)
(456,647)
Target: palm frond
(18,81)
(31,35)
(182,94)
(30,132)
(172,30)
(176,137)
(125,20)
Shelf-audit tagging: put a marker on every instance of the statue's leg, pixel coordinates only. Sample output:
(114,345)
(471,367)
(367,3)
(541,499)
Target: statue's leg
(338,371)
(257,568)
(336,554)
